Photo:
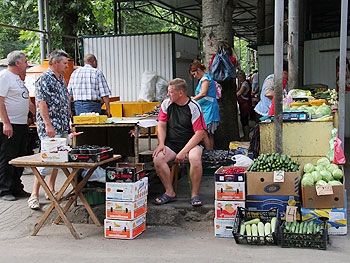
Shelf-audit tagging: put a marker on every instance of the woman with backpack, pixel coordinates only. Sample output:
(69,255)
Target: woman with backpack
(205,95)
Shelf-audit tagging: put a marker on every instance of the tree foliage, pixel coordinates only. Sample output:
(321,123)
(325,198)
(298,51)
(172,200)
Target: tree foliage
(71,19)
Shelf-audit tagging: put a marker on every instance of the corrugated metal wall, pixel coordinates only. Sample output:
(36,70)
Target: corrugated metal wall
(123,59)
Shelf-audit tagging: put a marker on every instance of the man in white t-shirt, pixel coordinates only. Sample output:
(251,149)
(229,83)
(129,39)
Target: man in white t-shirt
(14,108)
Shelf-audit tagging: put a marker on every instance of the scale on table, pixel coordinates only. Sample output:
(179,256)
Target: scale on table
(296,115)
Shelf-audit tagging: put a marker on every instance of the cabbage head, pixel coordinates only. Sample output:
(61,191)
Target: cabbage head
(324,110)
(337,174)
(308,168)
(321,183)
(326,176)
(320,167)
(332,166)
(323,160)
(307,181)
(316,175)
(334,183)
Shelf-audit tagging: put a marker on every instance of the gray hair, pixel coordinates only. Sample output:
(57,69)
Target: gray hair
(14,56)
(179,84)
(57,55)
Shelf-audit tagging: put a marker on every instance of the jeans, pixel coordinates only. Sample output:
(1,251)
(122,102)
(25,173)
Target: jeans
(86,107)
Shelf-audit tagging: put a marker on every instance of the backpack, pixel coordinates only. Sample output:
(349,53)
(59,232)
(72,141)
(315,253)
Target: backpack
(218,90)
(222,68)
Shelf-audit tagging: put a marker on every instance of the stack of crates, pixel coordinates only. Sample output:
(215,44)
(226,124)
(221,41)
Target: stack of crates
(229,195)
(126,201)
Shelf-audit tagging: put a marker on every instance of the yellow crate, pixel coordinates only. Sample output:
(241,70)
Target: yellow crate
(86,119)
(149,106)
(116,109)
(131,109)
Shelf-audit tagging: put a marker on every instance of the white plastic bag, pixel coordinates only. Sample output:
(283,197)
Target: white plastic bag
(161,89)
(148,86)
(241,160)
(99,175)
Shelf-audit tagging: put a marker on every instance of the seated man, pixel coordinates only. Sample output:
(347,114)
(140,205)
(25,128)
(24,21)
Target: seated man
(181,128)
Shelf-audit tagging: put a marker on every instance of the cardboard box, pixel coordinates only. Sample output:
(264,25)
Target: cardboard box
(122,229)
(227,209)
(262,183)
(125,172)
(221,176)
(337,218)
(90,158)
(89,119)
(59,156)
(126,210)
(262,202)
(230,190)
(127,191)
(52,144)
(310,199)
(223,227)
(54,150)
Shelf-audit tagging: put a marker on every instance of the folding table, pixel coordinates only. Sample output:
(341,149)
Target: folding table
(71,170)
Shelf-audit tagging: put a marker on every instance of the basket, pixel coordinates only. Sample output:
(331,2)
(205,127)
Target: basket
(265,216)
(318,239)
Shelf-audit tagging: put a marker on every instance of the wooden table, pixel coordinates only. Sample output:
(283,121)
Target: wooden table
(71,170)
(122,135)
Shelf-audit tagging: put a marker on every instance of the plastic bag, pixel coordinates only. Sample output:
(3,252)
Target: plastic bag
(241,160)
(99,175)
(222,67)
(148,86)
(339,157)
(161,89)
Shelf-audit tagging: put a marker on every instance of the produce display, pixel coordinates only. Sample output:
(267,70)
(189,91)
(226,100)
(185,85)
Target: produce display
(321,174)
(273,162)
(304,234)
(318,105)
(258,227)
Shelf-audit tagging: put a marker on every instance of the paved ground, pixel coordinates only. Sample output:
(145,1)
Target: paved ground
(175,233)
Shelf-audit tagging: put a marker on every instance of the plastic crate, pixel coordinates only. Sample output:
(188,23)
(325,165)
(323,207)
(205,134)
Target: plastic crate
(317,240)
(265,216)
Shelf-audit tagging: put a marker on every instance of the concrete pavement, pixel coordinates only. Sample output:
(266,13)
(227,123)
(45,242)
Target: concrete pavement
(175,232)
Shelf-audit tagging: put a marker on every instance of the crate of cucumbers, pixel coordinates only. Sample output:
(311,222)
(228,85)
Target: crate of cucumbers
(305,234)
(256,227)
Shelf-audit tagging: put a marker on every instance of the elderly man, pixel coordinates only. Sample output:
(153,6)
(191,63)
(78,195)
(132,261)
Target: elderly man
(181,127)
(52,113)
(88,87)
(14,108)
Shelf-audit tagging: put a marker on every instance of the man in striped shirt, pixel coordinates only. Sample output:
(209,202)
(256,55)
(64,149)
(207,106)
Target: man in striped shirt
(88,87)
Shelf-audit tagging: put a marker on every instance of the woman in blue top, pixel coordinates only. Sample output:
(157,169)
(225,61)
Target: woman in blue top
(205,95)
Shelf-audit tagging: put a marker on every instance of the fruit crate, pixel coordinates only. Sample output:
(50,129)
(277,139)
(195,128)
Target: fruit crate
(265,216)
(317,239)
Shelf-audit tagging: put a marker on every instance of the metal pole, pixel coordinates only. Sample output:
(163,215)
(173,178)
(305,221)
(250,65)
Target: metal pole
(41,27)
(48,26)
(293,47)
(342,69)
(278,67)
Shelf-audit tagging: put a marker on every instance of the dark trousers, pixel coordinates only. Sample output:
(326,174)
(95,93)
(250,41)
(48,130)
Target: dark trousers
(10,176)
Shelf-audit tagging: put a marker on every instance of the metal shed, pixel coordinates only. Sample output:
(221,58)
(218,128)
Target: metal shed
(125,58)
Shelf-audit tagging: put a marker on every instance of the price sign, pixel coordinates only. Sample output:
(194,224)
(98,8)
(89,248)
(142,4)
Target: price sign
(324,190)
(291,213)
(278,176)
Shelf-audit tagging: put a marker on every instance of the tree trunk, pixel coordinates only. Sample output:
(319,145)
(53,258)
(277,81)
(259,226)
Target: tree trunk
(217,28)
